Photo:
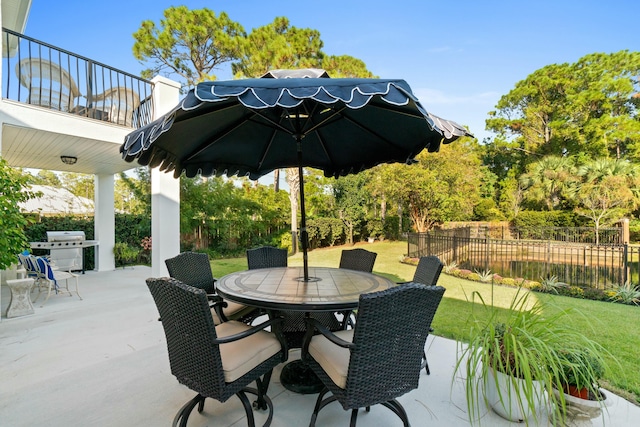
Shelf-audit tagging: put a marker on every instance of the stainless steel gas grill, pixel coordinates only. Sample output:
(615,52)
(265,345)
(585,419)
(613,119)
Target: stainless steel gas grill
(66,249)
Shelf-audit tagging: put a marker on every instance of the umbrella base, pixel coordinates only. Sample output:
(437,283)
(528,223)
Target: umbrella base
(297,377)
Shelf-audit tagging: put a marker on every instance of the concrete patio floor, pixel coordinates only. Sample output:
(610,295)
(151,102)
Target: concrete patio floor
(103,361)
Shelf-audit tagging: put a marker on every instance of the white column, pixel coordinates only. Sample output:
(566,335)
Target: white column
(105,222)
(1,126)
(165,190)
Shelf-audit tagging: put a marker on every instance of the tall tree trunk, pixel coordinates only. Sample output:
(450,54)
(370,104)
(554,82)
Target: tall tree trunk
(276,180)
(291,175)
(383,207)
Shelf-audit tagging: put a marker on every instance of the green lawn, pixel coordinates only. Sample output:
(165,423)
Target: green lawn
(614,326)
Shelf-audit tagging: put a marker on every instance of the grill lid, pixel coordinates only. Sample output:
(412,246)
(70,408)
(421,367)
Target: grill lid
(65,236)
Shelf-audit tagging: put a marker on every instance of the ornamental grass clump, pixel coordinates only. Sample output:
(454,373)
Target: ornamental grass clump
(526,344)
(626,294)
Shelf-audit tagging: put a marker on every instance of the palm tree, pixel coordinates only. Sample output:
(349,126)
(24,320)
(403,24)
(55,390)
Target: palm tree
(609,190)
(550,181)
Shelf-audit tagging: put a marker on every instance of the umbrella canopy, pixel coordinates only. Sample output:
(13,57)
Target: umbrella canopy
(293,118)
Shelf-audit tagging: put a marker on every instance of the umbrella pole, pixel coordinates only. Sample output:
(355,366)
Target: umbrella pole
(303,215)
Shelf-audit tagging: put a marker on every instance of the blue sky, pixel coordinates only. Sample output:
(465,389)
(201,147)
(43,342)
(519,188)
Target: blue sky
(459,57)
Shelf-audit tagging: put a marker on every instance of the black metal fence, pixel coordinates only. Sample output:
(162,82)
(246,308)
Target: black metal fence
(608,235)
(598,266)
(40,74)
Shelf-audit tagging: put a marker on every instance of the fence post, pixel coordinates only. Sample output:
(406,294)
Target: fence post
(548,263)
(455,248)
(625,264)
(408,244)
(487,253)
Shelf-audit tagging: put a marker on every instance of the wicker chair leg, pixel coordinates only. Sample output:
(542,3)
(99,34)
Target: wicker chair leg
(354,417)
(248,407)
(424,363)
(397,409)
(262,387)
(320,403)
(182,416)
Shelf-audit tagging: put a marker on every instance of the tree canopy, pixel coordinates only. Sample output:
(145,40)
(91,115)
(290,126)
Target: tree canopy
(554,132)
(589,108)
(279,45)
(192,44)
(189,43)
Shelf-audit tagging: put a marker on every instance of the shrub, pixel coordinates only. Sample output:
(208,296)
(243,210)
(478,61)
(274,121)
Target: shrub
(626,294)
(13,239)
(463,273)
(391,227)
(473,276)
(533,285)
(451,267)
(534,219)
(484,276)
(572,291)
(595,294)
(551,284)
(508,281)
(634,230)
(409,260)
(124,254)
(375,227)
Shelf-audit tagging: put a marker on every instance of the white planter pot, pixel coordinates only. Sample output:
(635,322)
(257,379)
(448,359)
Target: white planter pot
(582,409)
(503,391)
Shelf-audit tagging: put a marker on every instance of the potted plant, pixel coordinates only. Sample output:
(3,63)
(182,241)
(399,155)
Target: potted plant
(582,370)
(514,358)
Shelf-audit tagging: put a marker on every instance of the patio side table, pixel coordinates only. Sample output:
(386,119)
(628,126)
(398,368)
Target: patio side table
(20,304)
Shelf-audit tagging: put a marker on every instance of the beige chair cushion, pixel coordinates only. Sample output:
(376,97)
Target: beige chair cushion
(333,358)
(239,357)
(232,310)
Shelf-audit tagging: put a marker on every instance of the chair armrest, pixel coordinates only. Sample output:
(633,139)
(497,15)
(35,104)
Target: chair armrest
(315,325)
(217,303)
(249,332)
(215,298)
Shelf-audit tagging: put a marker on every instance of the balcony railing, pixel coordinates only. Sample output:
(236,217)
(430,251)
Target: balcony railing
(40,74)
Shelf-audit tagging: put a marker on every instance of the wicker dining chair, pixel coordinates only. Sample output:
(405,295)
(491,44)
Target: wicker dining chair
(215,361)
(379,359)
(358,259)
(266,257)
(427,272)
(194,269)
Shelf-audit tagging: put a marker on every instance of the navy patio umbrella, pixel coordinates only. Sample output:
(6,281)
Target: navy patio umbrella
(290,118)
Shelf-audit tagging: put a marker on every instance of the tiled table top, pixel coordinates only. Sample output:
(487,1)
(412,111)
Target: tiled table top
(284,288)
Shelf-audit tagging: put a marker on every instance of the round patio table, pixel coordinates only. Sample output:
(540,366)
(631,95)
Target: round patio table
(284,289)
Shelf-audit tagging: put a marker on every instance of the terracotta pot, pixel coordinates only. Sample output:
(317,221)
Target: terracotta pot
(581,393)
